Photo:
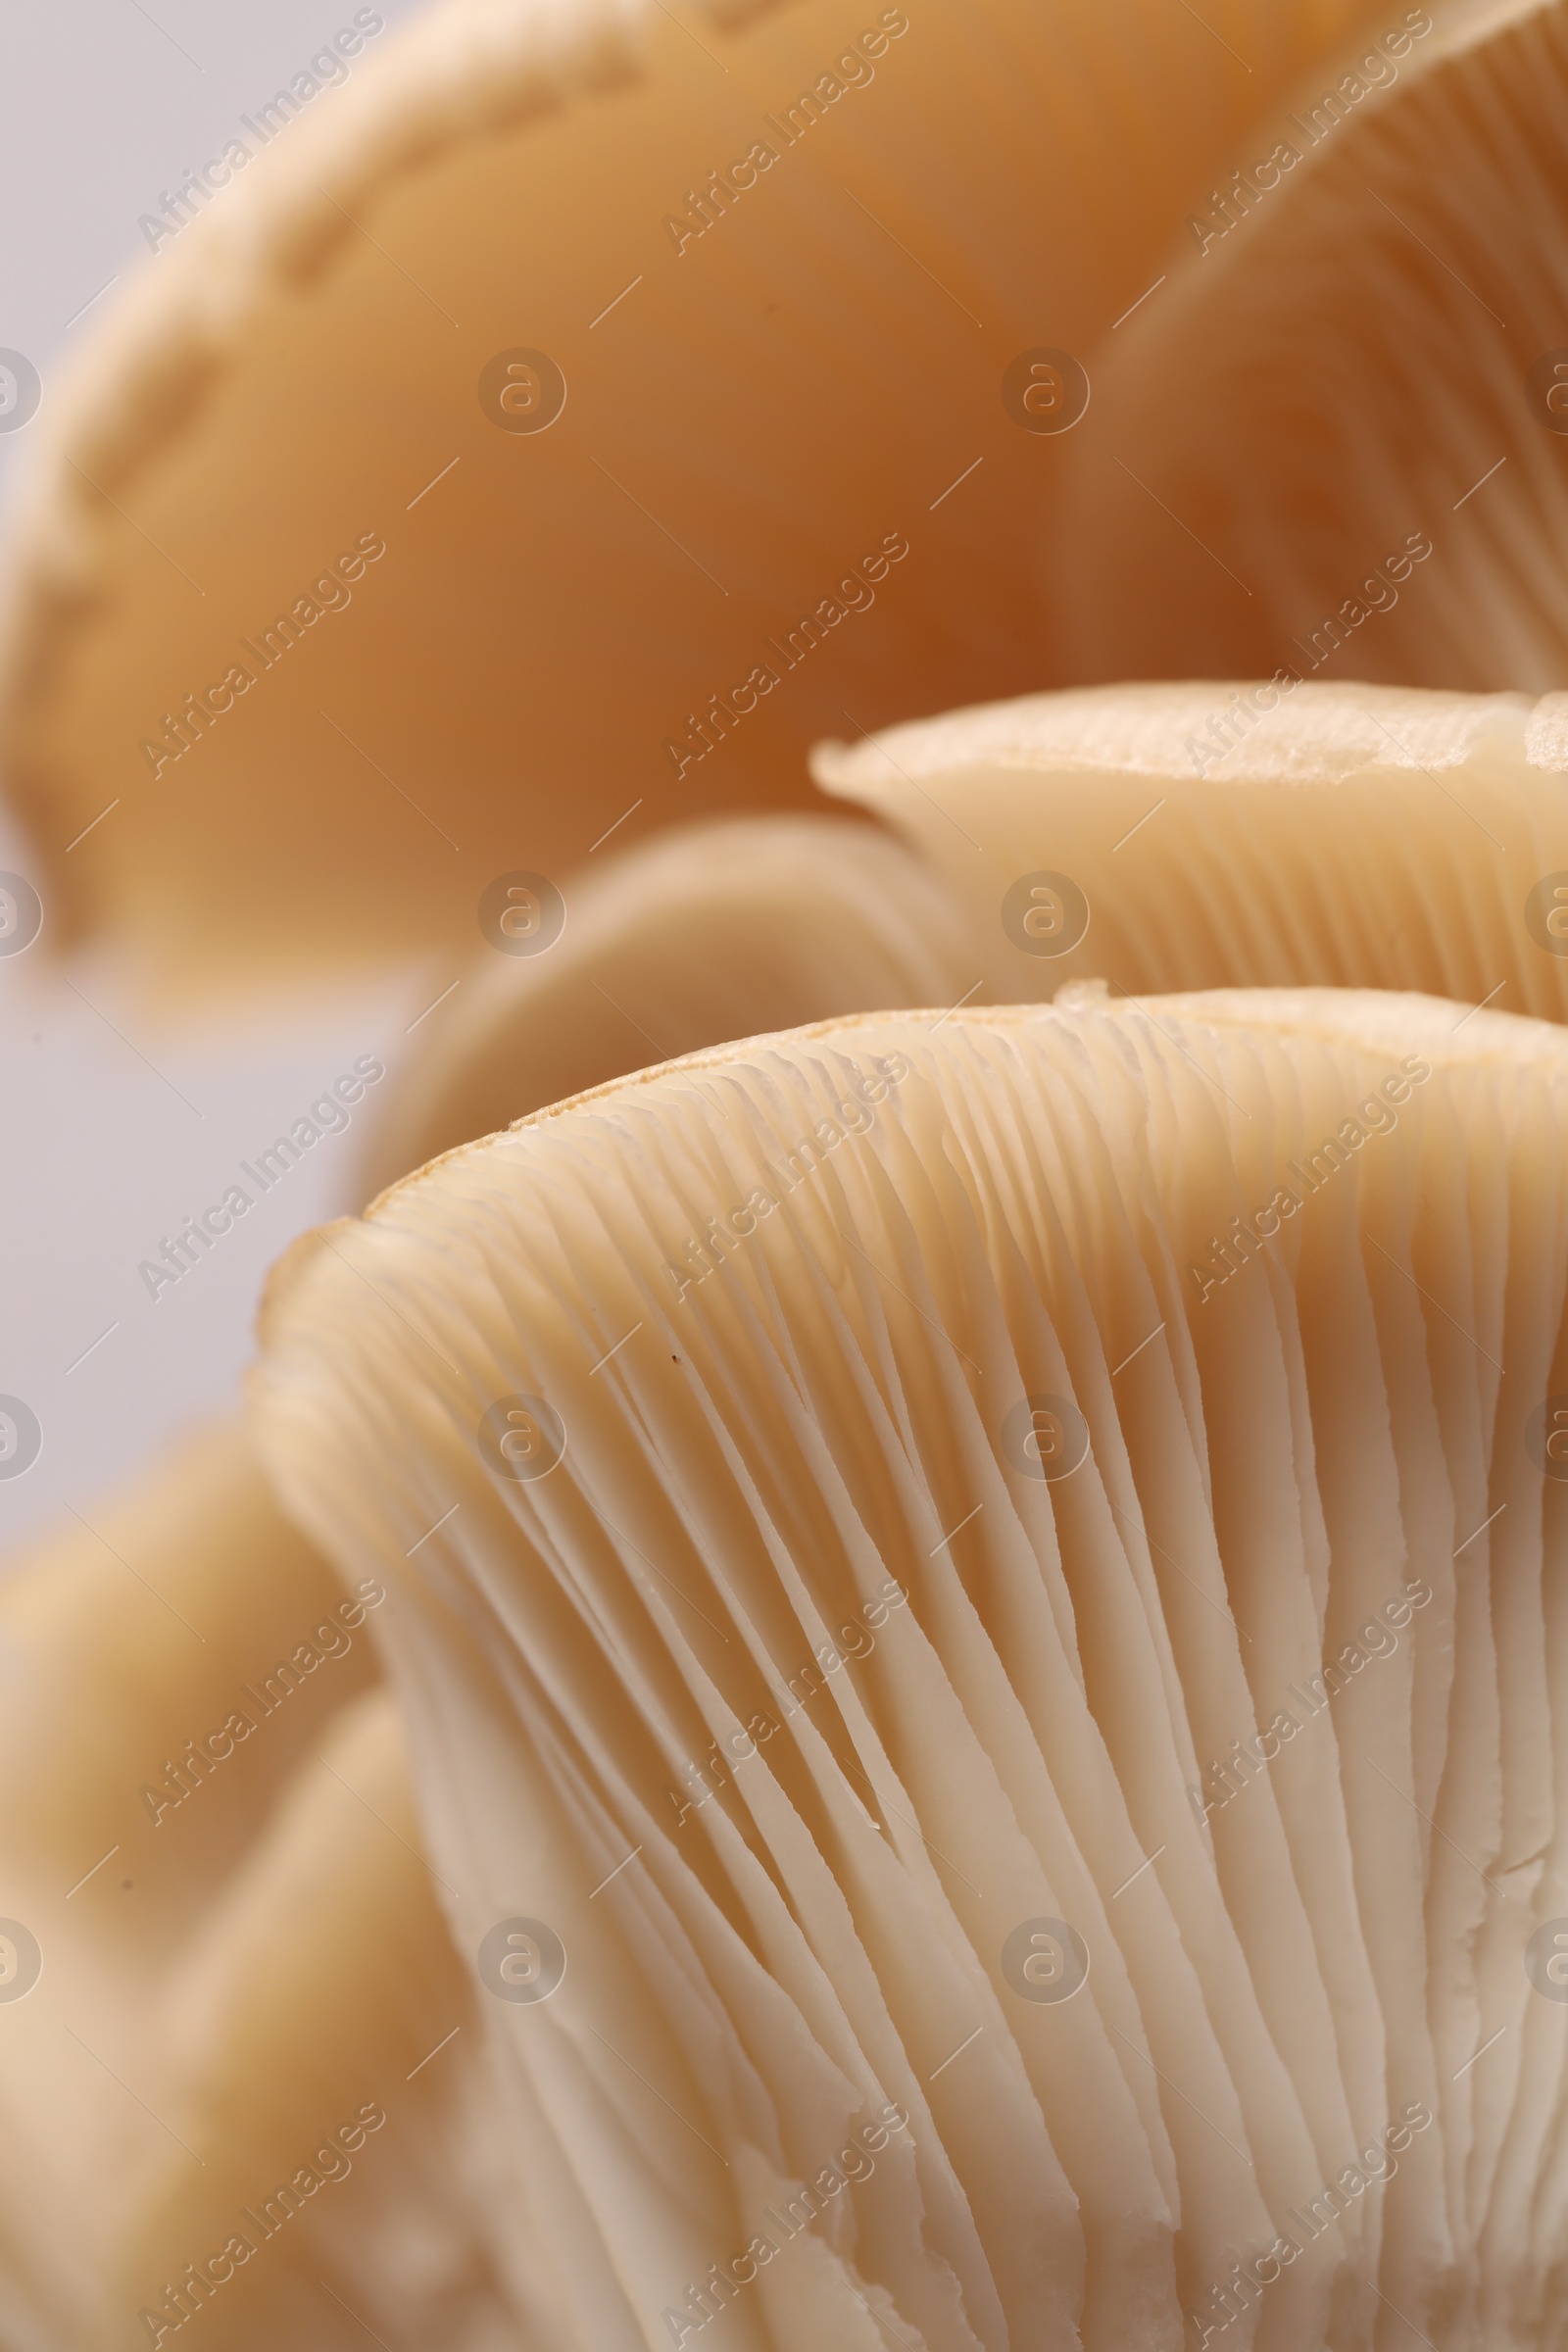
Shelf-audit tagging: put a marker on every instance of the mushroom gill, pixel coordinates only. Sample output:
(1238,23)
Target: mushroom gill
(1281,832)
(583,409)
(1359,355)
(192,1655)
(971,1599)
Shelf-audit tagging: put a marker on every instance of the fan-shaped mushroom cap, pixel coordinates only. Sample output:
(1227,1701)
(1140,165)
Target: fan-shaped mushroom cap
(186,1651)
(1215,835)
(321,2065)
(709,933)
(970,1596)
(127,1639)
(142,1774)
(1334,439)
(227,1951)
(782,408)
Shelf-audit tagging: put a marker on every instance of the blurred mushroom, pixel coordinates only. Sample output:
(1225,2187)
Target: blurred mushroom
(709,933)
(130,1644)
(325,2109)
(230,1950)
(169,1669)
(972,1604)
(1358,358)
(1278,832)
(577,412)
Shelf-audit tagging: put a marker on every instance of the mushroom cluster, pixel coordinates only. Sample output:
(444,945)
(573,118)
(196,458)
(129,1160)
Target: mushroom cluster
(877,1662)
(890,1630)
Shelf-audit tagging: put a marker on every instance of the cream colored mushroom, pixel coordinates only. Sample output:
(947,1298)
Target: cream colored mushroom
(704,934)
(340,2123)
(1333,438)
(172,1660)
(971,1598)
(343,644)
(1270,832)
(189,1655)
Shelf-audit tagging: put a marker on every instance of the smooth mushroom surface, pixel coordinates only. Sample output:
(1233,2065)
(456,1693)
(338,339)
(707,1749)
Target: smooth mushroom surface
(970,1596)
(706,933)
(588,408)
(1279,832)
(324,2110)
(204,1856)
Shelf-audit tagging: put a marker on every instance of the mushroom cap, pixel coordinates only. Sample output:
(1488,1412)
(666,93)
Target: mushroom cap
(1358,356)
(128,1633)
(759,421)
(979,1579)
(299,2036)
(706,933)
(125,1636)
(223,1917)
(242,1966)
(1262,833)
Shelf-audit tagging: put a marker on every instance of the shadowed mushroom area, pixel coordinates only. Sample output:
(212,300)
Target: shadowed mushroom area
(706,933)
(752,478)
(1337,439)
(972,1606)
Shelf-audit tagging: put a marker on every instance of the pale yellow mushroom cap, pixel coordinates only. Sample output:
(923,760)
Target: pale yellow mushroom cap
(1335,438)
(706,933)
(973,1597)
(1265,832)
(321,2064)
(784,484)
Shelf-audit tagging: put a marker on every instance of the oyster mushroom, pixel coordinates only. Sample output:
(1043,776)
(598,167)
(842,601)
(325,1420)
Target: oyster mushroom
(345,2149)
(678,940)
(193,1654)
(156,1708)
(1275,832)
(229,1950)
(343,645)
(704,934)
(1357,358)
(131,1641)
(970,1596)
